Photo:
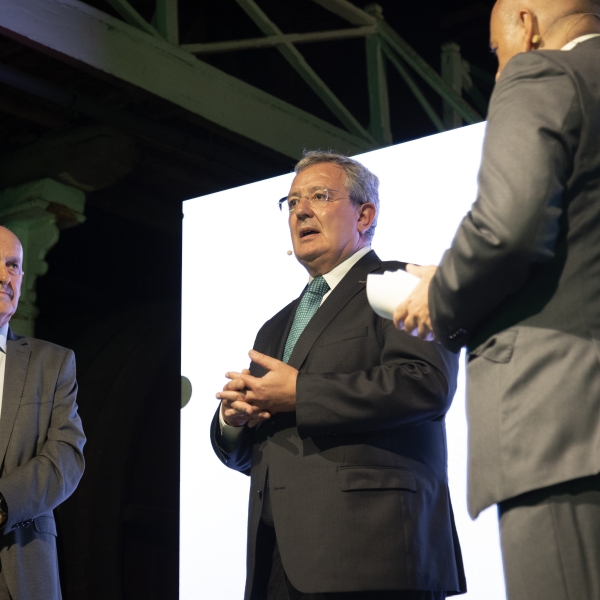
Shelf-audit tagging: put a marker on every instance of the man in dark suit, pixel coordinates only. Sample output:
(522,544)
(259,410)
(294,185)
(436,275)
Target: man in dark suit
(340,421)
(41,443)
(521,287)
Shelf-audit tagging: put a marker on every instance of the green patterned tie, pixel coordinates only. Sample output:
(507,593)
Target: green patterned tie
(310,302)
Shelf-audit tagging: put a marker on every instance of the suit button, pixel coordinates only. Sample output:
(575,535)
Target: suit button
(260,494)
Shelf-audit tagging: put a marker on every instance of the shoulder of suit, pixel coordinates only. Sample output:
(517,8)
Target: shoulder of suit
(282,316)
(538,64)
(37,344)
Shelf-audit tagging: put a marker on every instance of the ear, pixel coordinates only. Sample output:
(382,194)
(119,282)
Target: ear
(530,36)
(366,216)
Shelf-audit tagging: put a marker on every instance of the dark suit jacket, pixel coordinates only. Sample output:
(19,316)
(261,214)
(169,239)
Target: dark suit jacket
(358,473)
(41,444)
(521,283)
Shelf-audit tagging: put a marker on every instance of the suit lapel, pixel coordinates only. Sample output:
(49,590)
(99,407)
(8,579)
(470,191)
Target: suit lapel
(271,339)
(15,372)
(353,282)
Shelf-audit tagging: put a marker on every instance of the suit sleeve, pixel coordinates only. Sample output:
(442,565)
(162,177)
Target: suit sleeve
(42,483)
(414,382)
(238,457)
(532,135)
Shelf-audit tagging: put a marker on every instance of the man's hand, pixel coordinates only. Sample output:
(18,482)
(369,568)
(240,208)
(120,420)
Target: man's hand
(235,409)
(413,314)
(273,393)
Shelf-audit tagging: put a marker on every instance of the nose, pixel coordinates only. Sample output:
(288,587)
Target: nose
(4,275)
(303,209)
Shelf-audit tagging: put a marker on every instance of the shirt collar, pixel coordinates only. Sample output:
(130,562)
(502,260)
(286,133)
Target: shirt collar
(3,336)
(338,273)
(578,40)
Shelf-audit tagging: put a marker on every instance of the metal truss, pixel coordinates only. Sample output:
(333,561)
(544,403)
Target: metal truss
(383,46)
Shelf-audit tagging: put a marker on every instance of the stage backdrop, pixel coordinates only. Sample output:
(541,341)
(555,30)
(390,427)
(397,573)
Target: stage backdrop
(237,274)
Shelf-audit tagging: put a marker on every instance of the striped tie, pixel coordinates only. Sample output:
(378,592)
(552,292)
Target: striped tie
(310,302)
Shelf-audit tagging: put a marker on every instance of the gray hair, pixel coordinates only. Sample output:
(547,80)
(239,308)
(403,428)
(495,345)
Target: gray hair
(362,185)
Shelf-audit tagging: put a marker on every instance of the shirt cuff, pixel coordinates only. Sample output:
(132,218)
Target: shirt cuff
(231,435)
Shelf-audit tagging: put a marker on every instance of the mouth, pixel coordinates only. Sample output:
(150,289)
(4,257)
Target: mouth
(308,232)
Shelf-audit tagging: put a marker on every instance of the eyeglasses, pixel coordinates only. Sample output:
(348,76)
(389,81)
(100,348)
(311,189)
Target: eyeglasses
(316,197)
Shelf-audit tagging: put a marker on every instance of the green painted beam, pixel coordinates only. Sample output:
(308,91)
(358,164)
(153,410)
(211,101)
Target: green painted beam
(347,11)
(453,75)
(133,17)
(84,36)
(293,56)
(414,88)
(428,74)
(167,20)
(357,16)
(275,40)
(379,103)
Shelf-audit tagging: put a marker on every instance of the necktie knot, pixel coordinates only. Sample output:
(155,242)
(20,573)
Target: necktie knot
(318,286)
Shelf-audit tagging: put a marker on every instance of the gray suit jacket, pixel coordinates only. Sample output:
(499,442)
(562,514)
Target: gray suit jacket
(41,444)
(521,283)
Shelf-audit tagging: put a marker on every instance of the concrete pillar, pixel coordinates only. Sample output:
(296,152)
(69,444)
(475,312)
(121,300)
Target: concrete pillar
(35,212)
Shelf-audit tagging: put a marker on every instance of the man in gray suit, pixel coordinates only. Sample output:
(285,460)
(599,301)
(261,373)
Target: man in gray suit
(520,286)
(41,444)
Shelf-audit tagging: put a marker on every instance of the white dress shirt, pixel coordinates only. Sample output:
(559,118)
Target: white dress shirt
(3,335)
(231,434)
(578,40)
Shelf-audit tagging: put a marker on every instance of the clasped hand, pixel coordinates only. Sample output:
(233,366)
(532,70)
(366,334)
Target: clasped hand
(252,400)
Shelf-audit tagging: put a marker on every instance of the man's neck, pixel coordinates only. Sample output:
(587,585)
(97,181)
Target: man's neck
(570,28)
(323,269)
(336,274)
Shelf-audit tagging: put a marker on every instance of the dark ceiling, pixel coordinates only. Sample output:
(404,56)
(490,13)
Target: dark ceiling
(140,176)
(222,159)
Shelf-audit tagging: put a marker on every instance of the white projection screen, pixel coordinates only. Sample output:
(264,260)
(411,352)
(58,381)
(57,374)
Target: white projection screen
(237,274)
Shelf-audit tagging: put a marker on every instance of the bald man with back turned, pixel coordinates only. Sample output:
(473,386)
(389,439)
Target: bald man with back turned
(520,287)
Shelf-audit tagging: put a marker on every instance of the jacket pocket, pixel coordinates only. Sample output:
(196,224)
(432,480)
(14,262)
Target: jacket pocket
(345,335)
(45,525)
(499,348)
(376,478)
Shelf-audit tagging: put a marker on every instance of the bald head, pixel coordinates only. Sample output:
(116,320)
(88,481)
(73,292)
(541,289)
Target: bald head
(8,235)
(525,25)
(11,274)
